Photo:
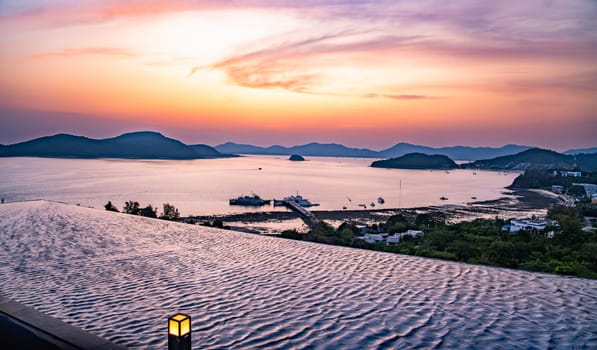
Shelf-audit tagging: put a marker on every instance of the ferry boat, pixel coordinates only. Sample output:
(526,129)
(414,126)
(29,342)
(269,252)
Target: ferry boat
(254,201)
(303,202)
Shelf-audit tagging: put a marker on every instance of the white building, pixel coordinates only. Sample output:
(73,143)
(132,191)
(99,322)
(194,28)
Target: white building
(557,189)
(397,237)
(373,237)
(527,224)
(570,173)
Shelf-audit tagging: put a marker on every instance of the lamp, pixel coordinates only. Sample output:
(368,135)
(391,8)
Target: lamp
(179,332)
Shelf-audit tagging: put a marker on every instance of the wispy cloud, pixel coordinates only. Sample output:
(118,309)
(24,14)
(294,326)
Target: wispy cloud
(294,65)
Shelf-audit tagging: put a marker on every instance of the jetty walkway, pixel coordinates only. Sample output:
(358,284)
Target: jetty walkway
(307,216)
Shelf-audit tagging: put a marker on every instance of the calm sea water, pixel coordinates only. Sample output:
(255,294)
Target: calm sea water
(205,186)
(120,276)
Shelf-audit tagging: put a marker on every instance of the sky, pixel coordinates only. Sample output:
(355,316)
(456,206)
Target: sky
(362,73)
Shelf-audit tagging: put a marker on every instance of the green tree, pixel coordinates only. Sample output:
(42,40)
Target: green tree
(170,212)
(110,207)
(148,211)
(131,207)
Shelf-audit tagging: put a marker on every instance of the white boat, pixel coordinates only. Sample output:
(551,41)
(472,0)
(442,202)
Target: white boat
(303,202)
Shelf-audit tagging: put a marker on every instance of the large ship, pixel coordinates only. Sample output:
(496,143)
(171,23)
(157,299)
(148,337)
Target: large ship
(303,202)
(254,201)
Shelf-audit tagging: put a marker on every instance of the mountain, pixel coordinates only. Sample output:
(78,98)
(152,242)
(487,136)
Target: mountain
(455,152)
(417,161)
(310,149)
(136,145)
(586,162)
(581,150)
(237,148)
(398,150)
(210,152)
(534,158)
(296,158)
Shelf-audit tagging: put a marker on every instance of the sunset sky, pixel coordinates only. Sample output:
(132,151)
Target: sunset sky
(363,73)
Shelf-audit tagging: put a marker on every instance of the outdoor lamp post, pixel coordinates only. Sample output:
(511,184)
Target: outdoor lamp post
(179,332)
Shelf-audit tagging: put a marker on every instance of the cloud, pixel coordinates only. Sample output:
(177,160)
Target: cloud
(74,52)
(294,65)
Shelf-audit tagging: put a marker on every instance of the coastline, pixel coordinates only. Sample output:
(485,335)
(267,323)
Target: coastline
(513,203)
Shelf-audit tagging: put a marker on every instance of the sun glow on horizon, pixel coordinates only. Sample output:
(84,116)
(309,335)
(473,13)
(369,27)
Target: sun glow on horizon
(334,67)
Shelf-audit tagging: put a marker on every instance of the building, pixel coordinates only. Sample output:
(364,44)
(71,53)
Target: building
(527,224)
(557,189)
(568,173)
(373,237)
(590,189)
(397,237)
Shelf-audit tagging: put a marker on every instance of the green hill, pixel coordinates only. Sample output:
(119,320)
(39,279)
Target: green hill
(416,161)
(136,145)
(534,158)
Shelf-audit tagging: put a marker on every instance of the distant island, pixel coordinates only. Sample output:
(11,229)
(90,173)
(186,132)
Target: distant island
(537,158)
(136,145)
(531,159)
(417,161)
(296,158)
(398,150)
(465,153)
(154,145)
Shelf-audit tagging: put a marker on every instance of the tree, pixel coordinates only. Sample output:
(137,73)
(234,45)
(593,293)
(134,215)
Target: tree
(131,207)
(148,211)
(110,207)
(170,212)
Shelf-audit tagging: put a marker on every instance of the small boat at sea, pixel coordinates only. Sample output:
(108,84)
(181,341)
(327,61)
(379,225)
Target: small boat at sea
(252,201)
(372,204)
(380,200)
(443,198)
(363,206)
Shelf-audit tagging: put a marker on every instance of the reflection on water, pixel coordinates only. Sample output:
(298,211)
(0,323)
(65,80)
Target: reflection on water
(120,277)
(204,186)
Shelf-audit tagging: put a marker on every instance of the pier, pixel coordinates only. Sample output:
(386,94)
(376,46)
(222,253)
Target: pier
(307,216)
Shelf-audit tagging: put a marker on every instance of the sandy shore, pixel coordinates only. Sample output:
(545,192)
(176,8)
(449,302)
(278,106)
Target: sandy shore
(514,203)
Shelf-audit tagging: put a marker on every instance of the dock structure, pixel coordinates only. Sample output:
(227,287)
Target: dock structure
(307,216)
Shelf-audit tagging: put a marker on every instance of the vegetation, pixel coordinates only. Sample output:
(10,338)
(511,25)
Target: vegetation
(537,158)
(133,208)
(170,212)
(546,178)
(570,252)
(417,161)
(110,207)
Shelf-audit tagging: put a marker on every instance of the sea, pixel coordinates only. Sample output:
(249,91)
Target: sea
(204,187)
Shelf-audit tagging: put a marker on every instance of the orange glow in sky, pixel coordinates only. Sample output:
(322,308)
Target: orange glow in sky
(363,73)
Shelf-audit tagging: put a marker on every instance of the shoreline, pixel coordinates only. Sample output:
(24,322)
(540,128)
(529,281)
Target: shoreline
(513,201)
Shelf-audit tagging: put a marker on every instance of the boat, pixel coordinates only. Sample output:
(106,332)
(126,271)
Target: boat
(298,199)
(380,200)
(473,197)
(371,204)
(363,205)
(254,201)
(443,198)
